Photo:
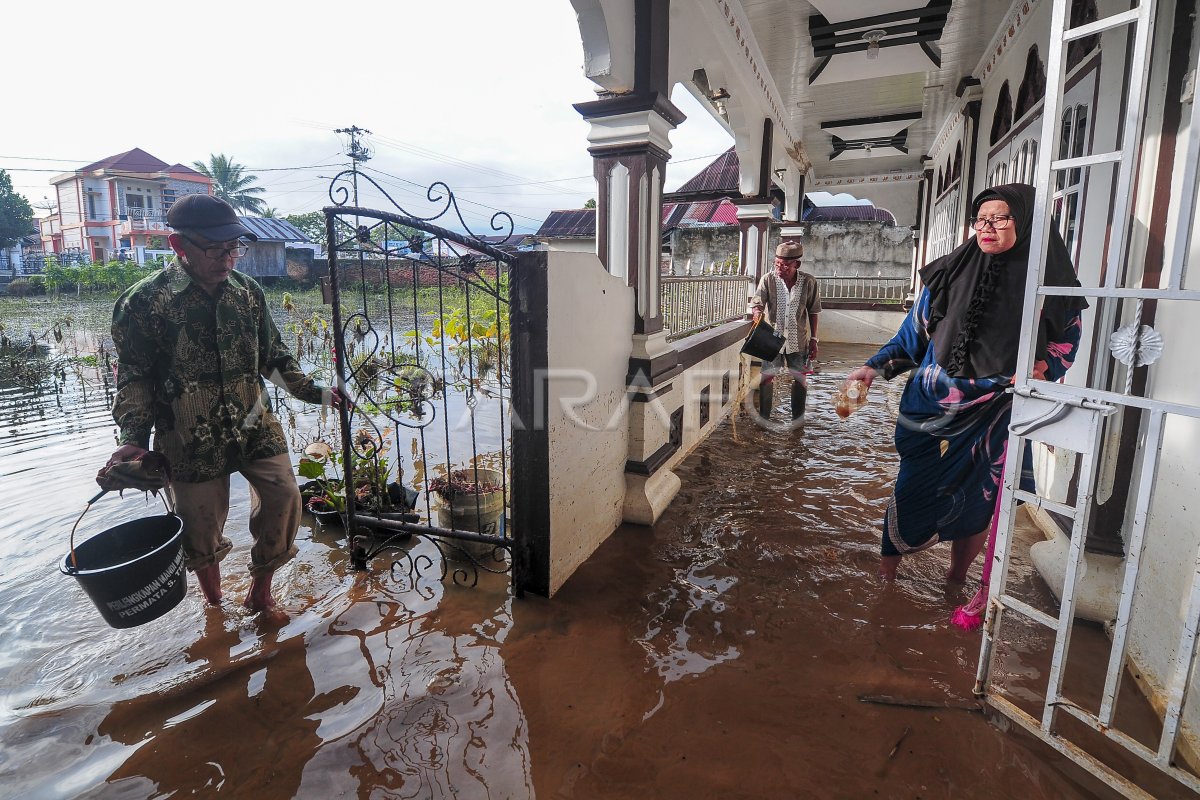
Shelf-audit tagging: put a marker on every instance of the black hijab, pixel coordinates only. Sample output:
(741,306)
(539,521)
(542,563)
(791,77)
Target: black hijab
(975,299)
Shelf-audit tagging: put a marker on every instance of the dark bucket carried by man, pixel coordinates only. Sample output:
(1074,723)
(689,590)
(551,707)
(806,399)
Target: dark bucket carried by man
(763,342)
(133,572)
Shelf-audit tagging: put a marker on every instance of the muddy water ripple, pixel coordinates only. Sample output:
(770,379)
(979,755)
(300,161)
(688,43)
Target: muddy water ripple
(718,655)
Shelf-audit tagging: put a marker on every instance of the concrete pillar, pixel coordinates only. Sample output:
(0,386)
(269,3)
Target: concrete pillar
(754,225)
(630,149)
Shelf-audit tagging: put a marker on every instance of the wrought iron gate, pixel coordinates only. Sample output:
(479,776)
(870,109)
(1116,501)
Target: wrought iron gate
(421,340)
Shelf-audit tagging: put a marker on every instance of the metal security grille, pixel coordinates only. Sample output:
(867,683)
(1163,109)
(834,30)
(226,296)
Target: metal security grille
(420,319)
(1079,419)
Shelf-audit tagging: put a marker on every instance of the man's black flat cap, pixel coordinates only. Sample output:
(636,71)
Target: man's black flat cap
(209,216)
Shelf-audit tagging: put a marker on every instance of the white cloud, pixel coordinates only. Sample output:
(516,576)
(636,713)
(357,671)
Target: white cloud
(841,199)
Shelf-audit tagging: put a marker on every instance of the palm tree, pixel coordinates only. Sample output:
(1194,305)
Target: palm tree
(231,184)
(269,213)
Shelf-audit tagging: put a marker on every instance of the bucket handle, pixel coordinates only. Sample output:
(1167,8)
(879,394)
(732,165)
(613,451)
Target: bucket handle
(168,498)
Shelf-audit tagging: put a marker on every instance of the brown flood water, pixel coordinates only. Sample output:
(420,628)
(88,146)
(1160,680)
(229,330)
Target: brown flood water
(719,654)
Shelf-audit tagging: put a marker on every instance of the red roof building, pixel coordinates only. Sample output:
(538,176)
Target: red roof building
(116,203)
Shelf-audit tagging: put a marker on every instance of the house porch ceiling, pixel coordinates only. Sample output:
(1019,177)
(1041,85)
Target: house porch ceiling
(762,55)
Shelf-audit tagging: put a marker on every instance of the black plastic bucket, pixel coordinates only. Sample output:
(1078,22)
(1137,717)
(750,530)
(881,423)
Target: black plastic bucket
(763,342)
(134,573)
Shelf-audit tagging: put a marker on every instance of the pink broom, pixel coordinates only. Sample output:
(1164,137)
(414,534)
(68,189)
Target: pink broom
(970,616)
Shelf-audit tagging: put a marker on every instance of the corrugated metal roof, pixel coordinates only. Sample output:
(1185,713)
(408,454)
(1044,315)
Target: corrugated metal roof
(268,229)
(725,213)
(572,223)
(708,212)
(581,223)
(699,212)
(673,213)
(849,214)
(513,242)
(722,175)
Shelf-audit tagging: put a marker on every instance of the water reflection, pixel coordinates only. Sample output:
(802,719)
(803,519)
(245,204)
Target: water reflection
(719,654)
(244,691)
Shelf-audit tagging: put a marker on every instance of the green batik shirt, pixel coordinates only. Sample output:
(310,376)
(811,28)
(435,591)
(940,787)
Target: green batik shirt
(190,367)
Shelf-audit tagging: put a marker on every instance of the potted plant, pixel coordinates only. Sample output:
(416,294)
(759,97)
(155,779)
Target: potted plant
(373,495)
(471,499)
(324,495)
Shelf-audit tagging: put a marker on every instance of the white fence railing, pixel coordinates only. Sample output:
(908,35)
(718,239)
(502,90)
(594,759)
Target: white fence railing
(694,303)
(142,219)
(691,304)
(863,290)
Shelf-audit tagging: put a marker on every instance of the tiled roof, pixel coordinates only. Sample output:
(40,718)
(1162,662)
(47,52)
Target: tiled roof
(177,168)
(269,229)
(577,223)
(135,160)
(722,175)
(849,214)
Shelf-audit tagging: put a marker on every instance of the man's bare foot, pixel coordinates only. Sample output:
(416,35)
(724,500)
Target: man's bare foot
(274,617)
(209,579)
(259,597)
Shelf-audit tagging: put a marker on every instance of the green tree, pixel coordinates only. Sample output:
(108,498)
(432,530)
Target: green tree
(232,184)
(56,274)
(311,225)
(16,215)
(591,203)
(270,213)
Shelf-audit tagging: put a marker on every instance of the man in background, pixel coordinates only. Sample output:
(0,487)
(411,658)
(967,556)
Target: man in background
(791,301)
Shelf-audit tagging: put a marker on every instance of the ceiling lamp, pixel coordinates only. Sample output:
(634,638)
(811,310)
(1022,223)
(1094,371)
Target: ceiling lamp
(872,38)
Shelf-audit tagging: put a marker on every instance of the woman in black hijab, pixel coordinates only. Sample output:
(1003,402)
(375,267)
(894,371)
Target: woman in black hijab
(961,338)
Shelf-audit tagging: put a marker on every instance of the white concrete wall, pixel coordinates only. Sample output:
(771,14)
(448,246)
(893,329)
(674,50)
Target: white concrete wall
(864,327)
(1173,529)
(707,374)
(570,245)
(14,260)
(589,329)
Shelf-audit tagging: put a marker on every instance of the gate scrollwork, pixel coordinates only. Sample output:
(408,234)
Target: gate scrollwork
(421,341)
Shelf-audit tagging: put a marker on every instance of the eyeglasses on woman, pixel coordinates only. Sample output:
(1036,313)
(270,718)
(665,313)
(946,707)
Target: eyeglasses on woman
(998,222)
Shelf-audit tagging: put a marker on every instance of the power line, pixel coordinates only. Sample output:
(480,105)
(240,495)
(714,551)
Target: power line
(38,158)
(133,176)
(463,199)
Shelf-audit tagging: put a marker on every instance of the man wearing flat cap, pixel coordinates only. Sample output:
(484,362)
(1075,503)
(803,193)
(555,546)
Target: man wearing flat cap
(791,301)
(194,342)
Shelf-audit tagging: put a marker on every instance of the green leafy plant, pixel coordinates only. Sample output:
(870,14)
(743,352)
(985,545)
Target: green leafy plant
(326,490)
(322,465)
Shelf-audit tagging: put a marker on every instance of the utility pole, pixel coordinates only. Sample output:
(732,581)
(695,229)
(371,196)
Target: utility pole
(357,151)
